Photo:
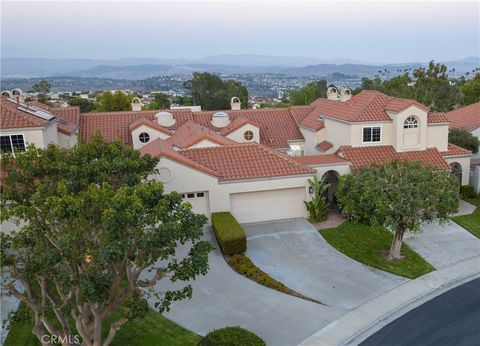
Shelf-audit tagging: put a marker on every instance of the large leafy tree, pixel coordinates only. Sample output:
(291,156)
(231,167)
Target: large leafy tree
(97,237)
(471,90)
(85,105)
(113,102)
(42,88)
(160,101)
(399,195)
(464,139)
(309,93)
(212,93)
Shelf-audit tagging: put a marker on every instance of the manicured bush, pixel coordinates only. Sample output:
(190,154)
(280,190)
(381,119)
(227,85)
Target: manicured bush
(230,235)
(467,191)
(231,336)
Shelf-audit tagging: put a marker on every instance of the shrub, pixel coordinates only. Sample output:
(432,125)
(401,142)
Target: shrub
(231,336)
(467,191)
(230,235)
(317,207)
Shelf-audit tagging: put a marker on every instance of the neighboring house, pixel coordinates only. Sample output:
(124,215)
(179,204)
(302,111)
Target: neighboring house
(22,124)
(256,162)
(467,118)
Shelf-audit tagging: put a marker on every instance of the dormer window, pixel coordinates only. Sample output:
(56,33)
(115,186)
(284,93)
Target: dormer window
(410,123)
(248,135)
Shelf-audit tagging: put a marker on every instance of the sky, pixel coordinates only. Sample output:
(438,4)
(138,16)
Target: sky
(387,31)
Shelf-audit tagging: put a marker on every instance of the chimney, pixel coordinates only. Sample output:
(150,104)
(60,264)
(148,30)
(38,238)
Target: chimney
(136,104)
(345,95)
(235,104)
(332,93)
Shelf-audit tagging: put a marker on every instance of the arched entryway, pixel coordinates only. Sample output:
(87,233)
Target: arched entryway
(331,178)
(457,171)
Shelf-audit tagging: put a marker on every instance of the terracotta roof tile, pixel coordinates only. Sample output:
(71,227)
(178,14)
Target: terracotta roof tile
(324,145)
(191,133)
(455,150)
(361,156)
(150,123)
(437,118)
(12,117)
(325,159)
(246,161)
(467,117)
(237,123)
(300,112)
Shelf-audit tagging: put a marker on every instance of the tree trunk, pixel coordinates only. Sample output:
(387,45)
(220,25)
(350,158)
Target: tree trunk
(394,253)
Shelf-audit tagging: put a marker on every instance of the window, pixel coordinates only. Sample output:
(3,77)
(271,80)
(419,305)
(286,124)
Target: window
(410,123)
(11,143)
(200,194)
(190,195)
(296,149)
(372,134)
(144,137)
(248,135)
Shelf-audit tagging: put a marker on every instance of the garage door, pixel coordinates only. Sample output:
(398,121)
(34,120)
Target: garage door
(199,202)
(268,205)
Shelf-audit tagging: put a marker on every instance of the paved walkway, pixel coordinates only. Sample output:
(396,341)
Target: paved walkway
(465,208)
(293,252)
(224,298)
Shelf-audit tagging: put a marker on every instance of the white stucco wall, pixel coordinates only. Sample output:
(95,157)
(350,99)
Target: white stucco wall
(154,134)
(205,143)
(465,163)
(237,135)
(386,134)
(437,137)
(398,130)
(67,141)
(31,135)
(476,133)
(338,133)
(312,138)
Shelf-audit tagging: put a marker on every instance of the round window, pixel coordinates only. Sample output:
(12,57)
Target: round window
(144,137)
(248,135)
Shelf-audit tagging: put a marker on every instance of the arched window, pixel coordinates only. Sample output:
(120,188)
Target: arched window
(144,137)
(410,123)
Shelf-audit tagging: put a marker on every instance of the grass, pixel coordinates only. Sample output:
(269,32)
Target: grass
(368,245)
(471,222)
(154,329)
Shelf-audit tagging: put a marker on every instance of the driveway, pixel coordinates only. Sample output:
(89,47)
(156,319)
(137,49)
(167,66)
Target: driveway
(293,252)
(224,298)
(443,246)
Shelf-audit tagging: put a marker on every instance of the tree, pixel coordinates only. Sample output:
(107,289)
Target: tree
(113,102)
(85,105)
(42,88)
(471,91)
(464,138)
(399,86)
(161,101)
(317,207)
(399,195)
(309,93)
(98,237)
(212,93)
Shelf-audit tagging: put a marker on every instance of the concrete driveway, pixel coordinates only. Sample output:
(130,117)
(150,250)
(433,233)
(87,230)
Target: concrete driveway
(224,298)
(293,252)
(443,246)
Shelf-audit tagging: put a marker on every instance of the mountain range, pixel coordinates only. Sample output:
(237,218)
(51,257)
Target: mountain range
(140,68)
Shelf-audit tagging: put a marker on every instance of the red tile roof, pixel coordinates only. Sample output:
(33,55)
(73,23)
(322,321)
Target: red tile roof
(324,145)
(246,161)
(191,133)
(437,118)
(237,123)
(361,156)
(68,117)
(455,150)
(365,106)
(315,160)
(300,112)
(12,117)
(150,123)
(467,117)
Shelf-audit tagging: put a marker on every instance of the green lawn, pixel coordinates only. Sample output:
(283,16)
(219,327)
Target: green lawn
(154,329)
(471,222)
(366,244)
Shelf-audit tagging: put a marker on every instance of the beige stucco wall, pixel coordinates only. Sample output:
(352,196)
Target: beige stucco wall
(31,135)
(312,138)
(67,141)
(437,137)
(205,143)
(337,133)
(386,134)
(184,179)
(465,163)
(154,134)
(237,135)
(398,134)
(476,133)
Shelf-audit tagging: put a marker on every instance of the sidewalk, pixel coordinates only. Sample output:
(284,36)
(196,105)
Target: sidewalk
(358,324)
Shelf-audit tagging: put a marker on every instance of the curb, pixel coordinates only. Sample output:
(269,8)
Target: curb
(358,324)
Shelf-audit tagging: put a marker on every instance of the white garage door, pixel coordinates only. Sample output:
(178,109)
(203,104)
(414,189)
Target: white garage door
(199,202)
(268,205)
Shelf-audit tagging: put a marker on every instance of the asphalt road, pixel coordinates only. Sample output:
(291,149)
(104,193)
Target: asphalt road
(452,318)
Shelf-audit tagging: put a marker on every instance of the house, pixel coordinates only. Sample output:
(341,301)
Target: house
(256,162)
(23,123)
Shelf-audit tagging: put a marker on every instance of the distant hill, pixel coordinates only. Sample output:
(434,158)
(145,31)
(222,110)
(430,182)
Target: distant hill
(140,68)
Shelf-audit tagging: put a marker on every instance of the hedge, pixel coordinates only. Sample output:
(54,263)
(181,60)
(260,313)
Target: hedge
(230,235)
(231,336)
(467,191)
